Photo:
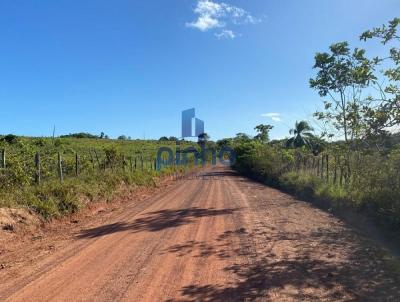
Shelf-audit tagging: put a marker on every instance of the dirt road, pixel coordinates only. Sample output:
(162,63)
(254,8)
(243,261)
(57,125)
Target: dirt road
(213,237)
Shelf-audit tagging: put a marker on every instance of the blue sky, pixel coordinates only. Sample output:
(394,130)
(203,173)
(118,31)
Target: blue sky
(131,67)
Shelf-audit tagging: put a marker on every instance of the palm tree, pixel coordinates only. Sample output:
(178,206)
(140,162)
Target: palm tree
(302,135)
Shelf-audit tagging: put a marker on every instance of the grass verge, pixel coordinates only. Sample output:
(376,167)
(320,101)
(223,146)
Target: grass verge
(53,199)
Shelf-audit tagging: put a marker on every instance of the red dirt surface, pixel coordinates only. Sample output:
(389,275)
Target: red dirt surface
(213,237)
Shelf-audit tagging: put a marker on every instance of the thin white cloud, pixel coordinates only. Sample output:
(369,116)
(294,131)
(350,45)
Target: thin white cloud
(270,114)
(212,15)
(276,117)
(225,34)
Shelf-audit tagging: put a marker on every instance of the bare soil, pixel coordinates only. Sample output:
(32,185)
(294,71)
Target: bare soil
(215,236)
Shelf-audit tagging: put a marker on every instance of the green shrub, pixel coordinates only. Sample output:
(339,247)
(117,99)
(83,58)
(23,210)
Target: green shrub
(372,185)
(10,138)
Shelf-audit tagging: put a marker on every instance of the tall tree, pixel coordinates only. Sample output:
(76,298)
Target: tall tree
(386,112)
(241,138)
(342,75)
(263,132)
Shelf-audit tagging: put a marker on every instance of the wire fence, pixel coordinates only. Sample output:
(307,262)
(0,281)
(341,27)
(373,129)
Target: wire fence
(28,168)
(347,169)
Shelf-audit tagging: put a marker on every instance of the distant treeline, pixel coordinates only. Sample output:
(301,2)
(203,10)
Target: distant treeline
(171,139)
(80,135)
(93,136)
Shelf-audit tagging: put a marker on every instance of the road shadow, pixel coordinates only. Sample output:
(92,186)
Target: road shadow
(163,219)
(310,273)
(157,221)
(220,173)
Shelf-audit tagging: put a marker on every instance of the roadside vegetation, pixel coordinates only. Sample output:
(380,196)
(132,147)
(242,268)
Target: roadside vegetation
(353,161)
(58,176)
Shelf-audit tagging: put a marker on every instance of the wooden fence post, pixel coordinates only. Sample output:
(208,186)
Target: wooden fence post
(321,166)
(345,170)
(141,158)
(98,160)
(135,163)
(92,159)
(3,158)
(357,167)
(60,170)
(313,165)
(37,165)
(335,171)
(327,168)
(76,164)
(348,172)
(341,171)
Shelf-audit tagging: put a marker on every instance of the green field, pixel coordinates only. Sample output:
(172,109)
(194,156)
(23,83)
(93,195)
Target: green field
(92,169)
